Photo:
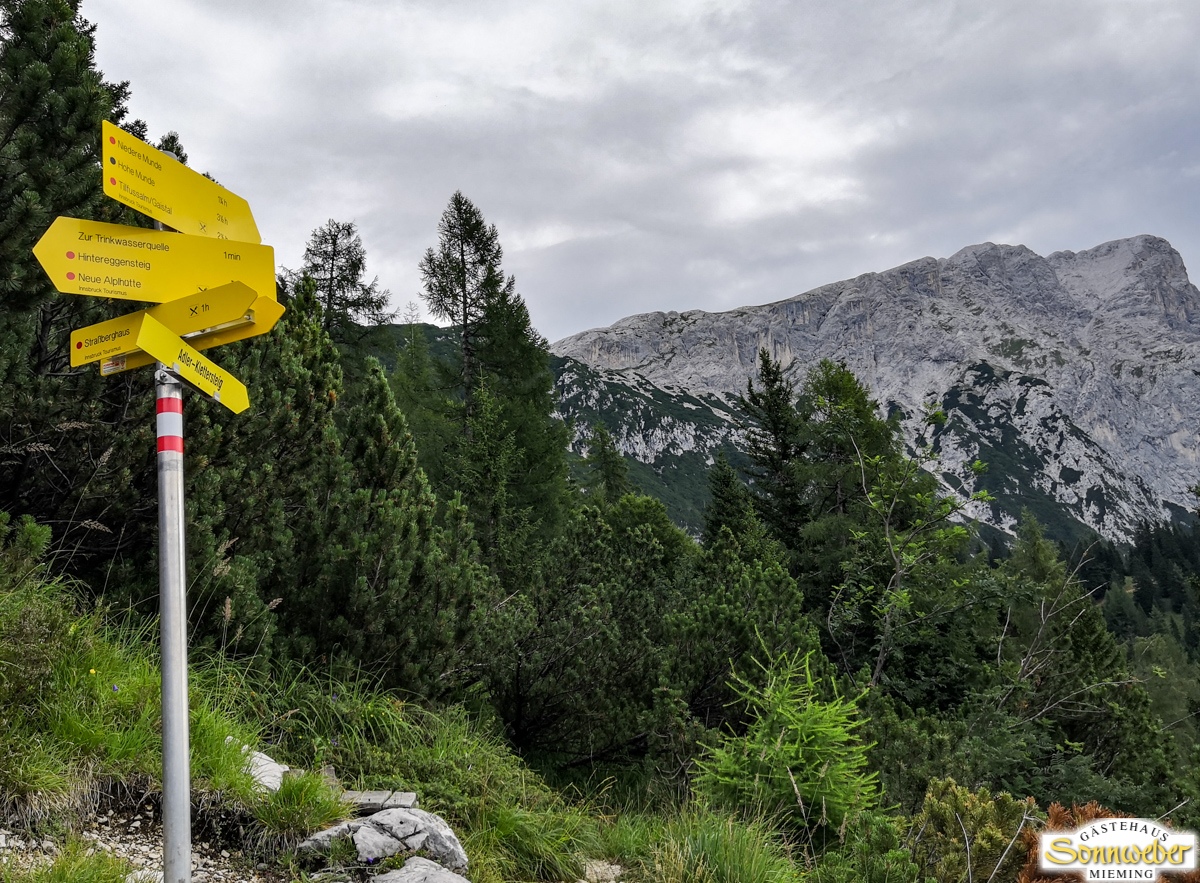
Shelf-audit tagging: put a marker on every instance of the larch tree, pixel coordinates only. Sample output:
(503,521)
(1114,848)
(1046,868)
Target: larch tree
(336,260)
(462,277)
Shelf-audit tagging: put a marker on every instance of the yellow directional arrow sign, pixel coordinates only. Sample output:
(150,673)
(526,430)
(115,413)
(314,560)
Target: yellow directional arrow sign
(144,178)
(217,308)
(259,319)
(208,310)
(140,332)
(157,340)
(131,263)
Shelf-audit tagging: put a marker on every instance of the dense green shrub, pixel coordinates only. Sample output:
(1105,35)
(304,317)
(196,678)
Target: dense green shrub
(962,835)
(871,852)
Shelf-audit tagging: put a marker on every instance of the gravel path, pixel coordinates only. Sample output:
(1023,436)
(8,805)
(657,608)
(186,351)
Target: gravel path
(136,836)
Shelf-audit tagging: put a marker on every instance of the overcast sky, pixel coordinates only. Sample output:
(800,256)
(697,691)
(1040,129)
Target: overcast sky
(642,155)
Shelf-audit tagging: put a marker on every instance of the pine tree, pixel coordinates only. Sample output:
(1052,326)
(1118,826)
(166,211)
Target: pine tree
(608,478)
(70,437)
(499,350)
(377,592)
(488,472)
(514,363)
(771,431)
(730,506)
(430,412)
(52,100)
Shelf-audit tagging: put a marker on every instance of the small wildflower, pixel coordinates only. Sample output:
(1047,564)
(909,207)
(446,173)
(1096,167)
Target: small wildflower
(335,743)
(91,671)
(115,688)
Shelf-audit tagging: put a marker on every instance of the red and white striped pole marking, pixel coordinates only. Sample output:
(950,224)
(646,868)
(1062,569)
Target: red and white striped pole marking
(172,578)
(170,419)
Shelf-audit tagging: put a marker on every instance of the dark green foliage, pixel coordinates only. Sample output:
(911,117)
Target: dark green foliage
(387,588)
(1070,677)
(514,364)
(427,407)
(498,350)
(1124,618)
(731,505)
(608,474)
(63,435)
(487,472)
(772,432)
(52,100)
(736,602)
(578,677)
(324,508)
(462,278)
(1056,715)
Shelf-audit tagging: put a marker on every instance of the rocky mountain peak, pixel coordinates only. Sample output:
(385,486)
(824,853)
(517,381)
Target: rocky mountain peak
(1075,374)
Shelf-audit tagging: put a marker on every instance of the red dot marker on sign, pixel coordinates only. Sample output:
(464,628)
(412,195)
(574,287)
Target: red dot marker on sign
(112,180)
(112,140)
(70,275)
(79,345)
(70,256)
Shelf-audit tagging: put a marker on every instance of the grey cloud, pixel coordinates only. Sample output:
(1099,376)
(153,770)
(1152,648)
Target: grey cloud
(672,156)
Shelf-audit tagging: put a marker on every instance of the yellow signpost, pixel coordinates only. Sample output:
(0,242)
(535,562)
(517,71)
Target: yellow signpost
(217,308)
(259,319)
(156,184)
(214,283)
(132,263)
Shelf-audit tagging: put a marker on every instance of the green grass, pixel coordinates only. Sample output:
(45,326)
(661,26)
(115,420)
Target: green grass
(80,708)
(512,825)
(304,803)
(73,866)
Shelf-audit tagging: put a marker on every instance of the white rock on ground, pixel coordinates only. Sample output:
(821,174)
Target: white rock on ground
(420,870)
(393,831)
(600,872)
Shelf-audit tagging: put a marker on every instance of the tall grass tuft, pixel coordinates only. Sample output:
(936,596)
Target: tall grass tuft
(700,846)
(304,803)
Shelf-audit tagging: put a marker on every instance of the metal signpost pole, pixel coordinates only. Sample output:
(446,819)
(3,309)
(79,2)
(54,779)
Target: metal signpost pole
(172,593)
(172,575)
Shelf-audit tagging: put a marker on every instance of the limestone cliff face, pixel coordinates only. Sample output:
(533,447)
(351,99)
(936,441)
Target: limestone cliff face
(1075,376)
